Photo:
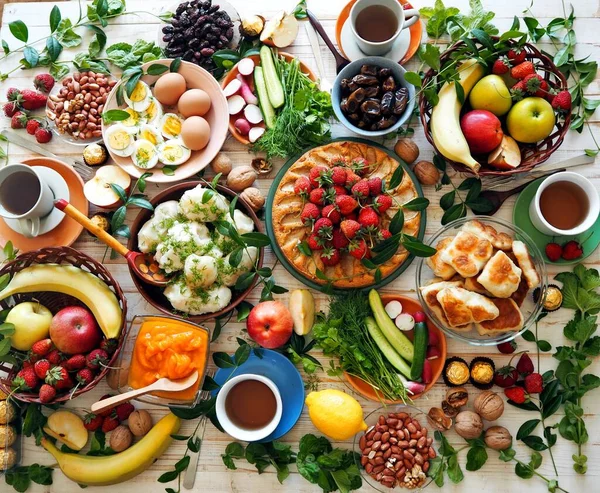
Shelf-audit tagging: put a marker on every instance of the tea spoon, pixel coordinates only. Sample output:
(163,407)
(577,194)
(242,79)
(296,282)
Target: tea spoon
(340,61)
(162,384)
(143,264)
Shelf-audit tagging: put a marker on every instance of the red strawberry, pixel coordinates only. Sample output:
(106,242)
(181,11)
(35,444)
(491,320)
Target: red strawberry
(110,423)
(66,384)
(522,70)
(31,100)
(375,185)
(340,190)
(501,66)
(43,135)
(76,362)
(56,375)
(323,227)
(18,120)
(331,213)
(26,379)
(302,186)
(42,348)
(506,376)
(339,239)
(55,357)
(368,217)
(317,196)
(330,256)
(359,165)
(338,161)
(562,101)
(32,126)
(310,213)
(124,411)
(384,234)
(572,250)
(109,345)
(518,91)
(534,383)
(516,394)
(338,176)
(92,421)
(350,228)
(345,204)
(525,365)
(106,412)
(315,242)
(41,368)
(507,347)
(10,108)
(96,359)
(516,55)
(351,178)
(536,85)
(382,203)
(13,94)
(358,249)
(361,189)
(553,251)
(319,176)
(43,82)
(85,376)
(47,393)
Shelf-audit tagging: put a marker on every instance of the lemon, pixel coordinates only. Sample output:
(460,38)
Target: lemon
(335,413)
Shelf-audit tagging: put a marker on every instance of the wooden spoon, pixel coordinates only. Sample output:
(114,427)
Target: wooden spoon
(340,61)
(162,384)
(143,264)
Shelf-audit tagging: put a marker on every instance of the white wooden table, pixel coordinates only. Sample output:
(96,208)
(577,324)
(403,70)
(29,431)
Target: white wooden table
(212,475)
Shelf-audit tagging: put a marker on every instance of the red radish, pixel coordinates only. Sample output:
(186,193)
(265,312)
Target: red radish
(405,322)
(242,126)
(427,374)
(246,92)
(393,309)
(235,104)
(232,88)
(253,114)
(246,66)
(413,388)
(255,133)
(433,352)
(433,339)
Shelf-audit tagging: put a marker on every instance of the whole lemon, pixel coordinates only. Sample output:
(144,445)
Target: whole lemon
(335,413)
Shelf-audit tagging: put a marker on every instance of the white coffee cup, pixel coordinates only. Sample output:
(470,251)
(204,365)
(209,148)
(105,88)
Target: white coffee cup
(406,18)
(540,222)
(29,222)
(242,433)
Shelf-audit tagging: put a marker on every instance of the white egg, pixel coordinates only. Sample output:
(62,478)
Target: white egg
(120,140)
(173,152)
(170,125)
(145,155)
(140,98)
(154,112)
(150,133)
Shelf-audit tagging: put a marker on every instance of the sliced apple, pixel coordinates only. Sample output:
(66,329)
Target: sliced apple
(98,190)
(280,31)
(302,308)
(507,155)
(68,428)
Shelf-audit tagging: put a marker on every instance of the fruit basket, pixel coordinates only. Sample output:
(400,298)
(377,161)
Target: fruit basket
(56,301)
(531,154)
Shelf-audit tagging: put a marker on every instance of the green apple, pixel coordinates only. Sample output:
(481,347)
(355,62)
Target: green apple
(491,94)
(32,323)
(530,120)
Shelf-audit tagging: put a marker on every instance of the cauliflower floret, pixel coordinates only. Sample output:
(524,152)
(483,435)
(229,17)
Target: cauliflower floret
(166,210)
(230,274)
(148,237)
(198,301)
(151,232)
(191,205)
(223,243)
(200,270)
(181,241)
(242,222)
(168,259)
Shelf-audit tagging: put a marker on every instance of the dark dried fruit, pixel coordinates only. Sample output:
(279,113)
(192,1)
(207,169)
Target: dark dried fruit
(368,70)
(387,103)
(372,91)
(384,73)
(365,80)
(355,99)
(371,107)
(389,84)
(386,122)
(401,101)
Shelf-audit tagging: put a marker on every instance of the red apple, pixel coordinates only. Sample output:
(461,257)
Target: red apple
(74,330)
(270,324)
(482,129)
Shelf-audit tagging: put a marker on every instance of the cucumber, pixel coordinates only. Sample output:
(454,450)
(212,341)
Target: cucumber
(274,87)
(397,339)
(386,348)
(263,99)
(421,334)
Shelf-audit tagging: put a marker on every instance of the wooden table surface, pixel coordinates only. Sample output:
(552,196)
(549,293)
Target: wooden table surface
(212,475)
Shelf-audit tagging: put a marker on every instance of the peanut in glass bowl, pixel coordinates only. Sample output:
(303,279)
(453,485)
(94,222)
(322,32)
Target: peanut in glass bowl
(530,308)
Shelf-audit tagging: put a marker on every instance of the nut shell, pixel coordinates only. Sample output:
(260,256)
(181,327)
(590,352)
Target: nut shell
(426,173)
(468,425)
(140,422)
(457,397)
(221,164)
(407,150)
(254,198)
(121,438)
(449,411)
(489,405)
(241,178)
(438,419)
(498,438)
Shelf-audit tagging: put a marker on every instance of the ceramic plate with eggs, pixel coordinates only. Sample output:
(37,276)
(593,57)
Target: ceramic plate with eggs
(177,124)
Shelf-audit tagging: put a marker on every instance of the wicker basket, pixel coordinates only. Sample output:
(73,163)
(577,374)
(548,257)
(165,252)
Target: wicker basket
(531,154)
(55,302)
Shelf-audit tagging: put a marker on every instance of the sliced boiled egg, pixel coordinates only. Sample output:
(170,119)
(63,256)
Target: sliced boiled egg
(119,140)
(170,125)
(134,120)
(154,112)
(150,133)
(173,152)
(145,154)
(140,98)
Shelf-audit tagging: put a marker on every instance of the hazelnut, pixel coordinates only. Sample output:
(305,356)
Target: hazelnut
(426,173)
(457,397)
(120,438)
(498,438)
(241,178)
(468,425)
(221,164)
(140,422)
(489,405)
(438,419)
(407,150)
(254,198)
(449,411)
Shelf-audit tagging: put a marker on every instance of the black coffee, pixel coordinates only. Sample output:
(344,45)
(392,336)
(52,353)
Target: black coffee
(19,192)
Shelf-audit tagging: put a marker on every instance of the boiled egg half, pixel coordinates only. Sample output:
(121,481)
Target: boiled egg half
(120,140)
(173,152)
(150,133)
(134,120)
(170,125)
(154,112)
(140,98)
(144,155)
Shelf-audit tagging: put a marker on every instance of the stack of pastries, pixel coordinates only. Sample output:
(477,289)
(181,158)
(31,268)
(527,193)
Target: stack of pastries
(482,279)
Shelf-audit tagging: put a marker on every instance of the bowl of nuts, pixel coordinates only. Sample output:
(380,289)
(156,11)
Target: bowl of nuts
(75,105)
(396,449)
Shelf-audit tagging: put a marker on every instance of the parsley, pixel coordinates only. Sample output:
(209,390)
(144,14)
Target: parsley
(442,20)
(262,455)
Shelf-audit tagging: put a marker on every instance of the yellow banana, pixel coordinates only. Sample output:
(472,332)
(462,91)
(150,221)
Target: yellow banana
(113,469)
(75,282)
(445,118)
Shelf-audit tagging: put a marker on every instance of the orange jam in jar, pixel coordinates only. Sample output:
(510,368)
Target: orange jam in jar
(168,348)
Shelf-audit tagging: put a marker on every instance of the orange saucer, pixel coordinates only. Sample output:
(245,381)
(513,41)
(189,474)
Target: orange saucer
(68,230)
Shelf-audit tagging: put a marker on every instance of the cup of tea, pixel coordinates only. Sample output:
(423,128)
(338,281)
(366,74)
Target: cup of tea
(376,24)
(565,204)
(25,197)
(249,407)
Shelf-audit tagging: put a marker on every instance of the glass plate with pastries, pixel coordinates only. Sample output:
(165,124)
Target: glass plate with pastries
(487,282)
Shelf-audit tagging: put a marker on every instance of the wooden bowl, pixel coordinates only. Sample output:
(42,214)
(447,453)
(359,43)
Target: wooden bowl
(57,301)
(232,74)
(437,365)
(153,294)
(531,154)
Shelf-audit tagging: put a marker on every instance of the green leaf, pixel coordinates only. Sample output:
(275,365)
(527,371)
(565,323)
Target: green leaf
(118,218)
(397,222)
(544,346)
(141,202)
(413,78)
(19,30)
(460,92)
(243,310)
(534,442)
(242,354)
(5,47)
(416,247)
(447,200)
(194,445)
(476,458)
(417,204)
(507,455)
(480,205)
(245,281)
(132,82)
(536,460)
(235,450)
(453,213)
(256,239)
(55,17)
(66,36)
(120,191)
(157,69)
(396,178)
(31,55)
(7,329)
(174,67)
(526,406)
(454,471)
(111,116)
(54,48)
(235,257)
(169,170)
(168,476)
(527,428)
(561,56)
(483,38)
(523,471)
(223,360)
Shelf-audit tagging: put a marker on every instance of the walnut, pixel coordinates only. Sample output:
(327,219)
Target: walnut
(489,405)
(468,425)
(221,164)
(426,173)
(140,422)
(457,397)
(449,411)
(407,150)
(241,178)
(498,438)
(121,438)
(254,198)
(438,419)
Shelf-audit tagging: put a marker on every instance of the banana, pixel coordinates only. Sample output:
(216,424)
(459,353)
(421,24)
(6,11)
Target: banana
(113,469)
(445,118)
(75,282)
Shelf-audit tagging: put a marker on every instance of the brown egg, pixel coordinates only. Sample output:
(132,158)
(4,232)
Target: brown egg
(169,88)
(195,133)
(194,102)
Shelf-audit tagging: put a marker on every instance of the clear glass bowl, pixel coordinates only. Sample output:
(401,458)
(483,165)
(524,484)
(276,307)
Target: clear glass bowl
(371,420)
(530,309)
(124,361)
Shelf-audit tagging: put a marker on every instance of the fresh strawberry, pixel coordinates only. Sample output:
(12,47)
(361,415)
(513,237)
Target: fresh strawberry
(124,411)
(43,82)
(330,256)
(96,359)
(562,101)
(361,189)
(506,376)
(32,126)
(516,55)
(351,179)
(516,394)
(536,85)
(10,108)
(310,213)
(43,135)
(42,348)
(553,251)
(375,185)
(92,421)
(501,66)
(66,384)
(382,203)
(522,70)
(317,196)
(339,239)
(30,360)
(315,242)
(85,376)
(338,176)
(26,379)
(345,204)
(56,375)
(572,250)
(358,249)
(353,216)
(319,175)
(534,383)
(339,190)
(109,345)
(323,228)
(76,362)
(338,161)
(18,120)
(55,357)
(110,423)
(106,412)
(384,234)
(31,100)
(518,91)
(41,368)
(368,217)
(525,365)
(331,213)
(350,228)
(359,165)
(13,94)
(302,186)
(47,393)
(507,347)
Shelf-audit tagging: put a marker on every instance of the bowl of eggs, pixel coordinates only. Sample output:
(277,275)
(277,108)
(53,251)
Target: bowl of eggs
(177,123)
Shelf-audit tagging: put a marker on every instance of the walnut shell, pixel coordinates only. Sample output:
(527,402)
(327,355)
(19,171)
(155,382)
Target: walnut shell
(254,198)
(121,438)
(498,438)
(407,150)
(241,178)
(426,173)
(438,420)
(221,164)
(489,405)
(140,422)
(457,397)
(468,424)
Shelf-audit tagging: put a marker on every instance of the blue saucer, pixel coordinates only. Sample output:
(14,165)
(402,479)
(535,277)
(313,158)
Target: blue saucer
(284,374)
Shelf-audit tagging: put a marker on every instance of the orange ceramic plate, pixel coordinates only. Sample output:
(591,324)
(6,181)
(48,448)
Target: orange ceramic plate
(437,365)
(416,31)
(232,74)
(68,230)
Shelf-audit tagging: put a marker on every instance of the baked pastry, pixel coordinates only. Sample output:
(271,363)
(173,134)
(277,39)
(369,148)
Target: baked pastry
(510,318)
(437,265)
(429,294)
(471,284)
(463,307)
(501,241)
(467,253)
(526,264)
(500,276)
(520,294)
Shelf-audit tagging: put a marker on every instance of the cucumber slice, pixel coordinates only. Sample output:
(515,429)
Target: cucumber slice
(274,87)
(263,99)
